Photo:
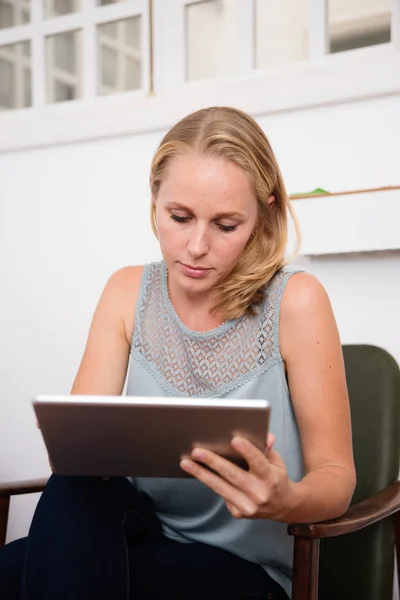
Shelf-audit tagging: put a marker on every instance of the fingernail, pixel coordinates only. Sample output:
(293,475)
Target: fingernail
(237,442)
(198,454)
(186,465)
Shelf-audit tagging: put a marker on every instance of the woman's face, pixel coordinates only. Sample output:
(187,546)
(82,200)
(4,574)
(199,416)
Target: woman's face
(206,211)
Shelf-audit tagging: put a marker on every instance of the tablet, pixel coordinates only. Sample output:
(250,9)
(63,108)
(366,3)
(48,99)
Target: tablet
(143,436)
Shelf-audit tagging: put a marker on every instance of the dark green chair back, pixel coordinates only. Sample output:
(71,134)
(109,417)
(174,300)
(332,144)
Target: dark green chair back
(359,566)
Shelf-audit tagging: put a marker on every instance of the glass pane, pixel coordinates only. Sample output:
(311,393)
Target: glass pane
(212,30)
(120,56)
(7,84)
(14,12)
(63,60)
(56,8)
(65,51)
(64,92)
(27,88)
(26,48)
(109,67)
(104,2)
(15,76)
(358,23)
(132,33)
(133,73)
(109,30)
(281,30)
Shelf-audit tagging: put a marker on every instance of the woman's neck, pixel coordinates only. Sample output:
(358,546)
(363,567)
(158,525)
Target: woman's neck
(196,311)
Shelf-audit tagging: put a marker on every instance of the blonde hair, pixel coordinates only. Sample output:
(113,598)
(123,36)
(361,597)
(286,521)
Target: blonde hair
(234,135)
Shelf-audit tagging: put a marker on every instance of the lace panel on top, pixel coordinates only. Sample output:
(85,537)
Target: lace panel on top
(211,363)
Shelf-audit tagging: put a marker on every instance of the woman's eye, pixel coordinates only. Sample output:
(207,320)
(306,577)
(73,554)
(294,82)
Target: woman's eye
(227,228)
(179,219)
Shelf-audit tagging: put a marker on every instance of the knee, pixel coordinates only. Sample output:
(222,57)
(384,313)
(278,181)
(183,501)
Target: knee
(63,489)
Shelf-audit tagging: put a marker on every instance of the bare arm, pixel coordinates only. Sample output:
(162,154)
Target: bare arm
(312,352)
(105,360)
(311,349)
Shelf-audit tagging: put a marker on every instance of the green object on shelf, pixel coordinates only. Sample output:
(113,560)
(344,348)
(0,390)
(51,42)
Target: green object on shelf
(316,192)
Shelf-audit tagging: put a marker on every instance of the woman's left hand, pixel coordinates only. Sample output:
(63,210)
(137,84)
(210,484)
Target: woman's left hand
(263,492)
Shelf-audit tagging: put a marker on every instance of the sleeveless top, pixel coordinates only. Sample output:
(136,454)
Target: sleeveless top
(238,359)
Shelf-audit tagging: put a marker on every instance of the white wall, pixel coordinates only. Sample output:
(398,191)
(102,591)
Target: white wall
(70,215)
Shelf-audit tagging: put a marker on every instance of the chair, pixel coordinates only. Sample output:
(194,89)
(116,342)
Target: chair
(357,550)
(351,557)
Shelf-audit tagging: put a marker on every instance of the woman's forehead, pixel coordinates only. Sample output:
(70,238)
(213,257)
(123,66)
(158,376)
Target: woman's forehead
(195,177)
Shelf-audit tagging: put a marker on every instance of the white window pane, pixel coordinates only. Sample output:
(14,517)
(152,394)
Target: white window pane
(109,67)
(64,92)
(63,62)
(133,74)
(213,29)
(15,86)
(281,30)
(120,58)
(56,8)
(26,48)
(14,12)
(132,33)
(65,52)
(358,23)
(109,30)
(27,88)
(7,84)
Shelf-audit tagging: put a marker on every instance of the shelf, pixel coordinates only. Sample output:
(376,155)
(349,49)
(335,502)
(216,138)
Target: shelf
(352,221)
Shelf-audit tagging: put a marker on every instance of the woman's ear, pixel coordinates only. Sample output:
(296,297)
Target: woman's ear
(271,200)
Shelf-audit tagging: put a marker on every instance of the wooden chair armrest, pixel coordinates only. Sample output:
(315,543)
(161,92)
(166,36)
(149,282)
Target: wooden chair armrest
(14,488)
(357,517)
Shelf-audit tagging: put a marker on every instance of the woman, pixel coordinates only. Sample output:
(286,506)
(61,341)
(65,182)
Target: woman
(219,316)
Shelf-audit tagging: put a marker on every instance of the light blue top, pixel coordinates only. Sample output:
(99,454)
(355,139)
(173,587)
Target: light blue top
(239,359)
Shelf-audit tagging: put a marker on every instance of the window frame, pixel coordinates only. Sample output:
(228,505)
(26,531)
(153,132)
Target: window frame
(86,21)
(324,79)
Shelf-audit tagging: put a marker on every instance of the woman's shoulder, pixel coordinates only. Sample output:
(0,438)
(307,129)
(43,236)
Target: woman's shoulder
(122,289)
(125,279)
(302,293)
(305,312)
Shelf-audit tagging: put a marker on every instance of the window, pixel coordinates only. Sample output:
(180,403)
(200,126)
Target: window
(63,67)
(120,56)
(60,50)
(15,58)
(14,12)
(15,76)
(264,55)
(358,23)
(281,32)
(212,29)
(56,8)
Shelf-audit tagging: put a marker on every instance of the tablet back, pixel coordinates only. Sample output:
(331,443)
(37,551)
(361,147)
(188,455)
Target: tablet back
(142,436)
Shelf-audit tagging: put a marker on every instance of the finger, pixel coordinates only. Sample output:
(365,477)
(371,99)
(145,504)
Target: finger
(225,468)
(274,458)
(270,441)
(243,504)
(255,458)
(235,512)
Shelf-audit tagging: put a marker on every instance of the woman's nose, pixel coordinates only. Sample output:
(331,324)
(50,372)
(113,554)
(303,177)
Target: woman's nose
(198,244)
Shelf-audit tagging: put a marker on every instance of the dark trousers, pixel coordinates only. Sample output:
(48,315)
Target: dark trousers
(99,539)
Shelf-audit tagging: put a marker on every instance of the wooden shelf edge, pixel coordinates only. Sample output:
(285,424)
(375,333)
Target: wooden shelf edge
(388,188)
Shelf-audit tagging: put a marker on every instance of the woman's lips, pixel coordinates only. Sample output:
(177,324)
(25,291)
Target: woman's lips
(197,272)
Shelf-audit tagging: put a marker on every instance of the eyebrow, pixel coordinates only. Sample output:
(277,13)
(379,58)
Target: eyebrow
(222,215)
